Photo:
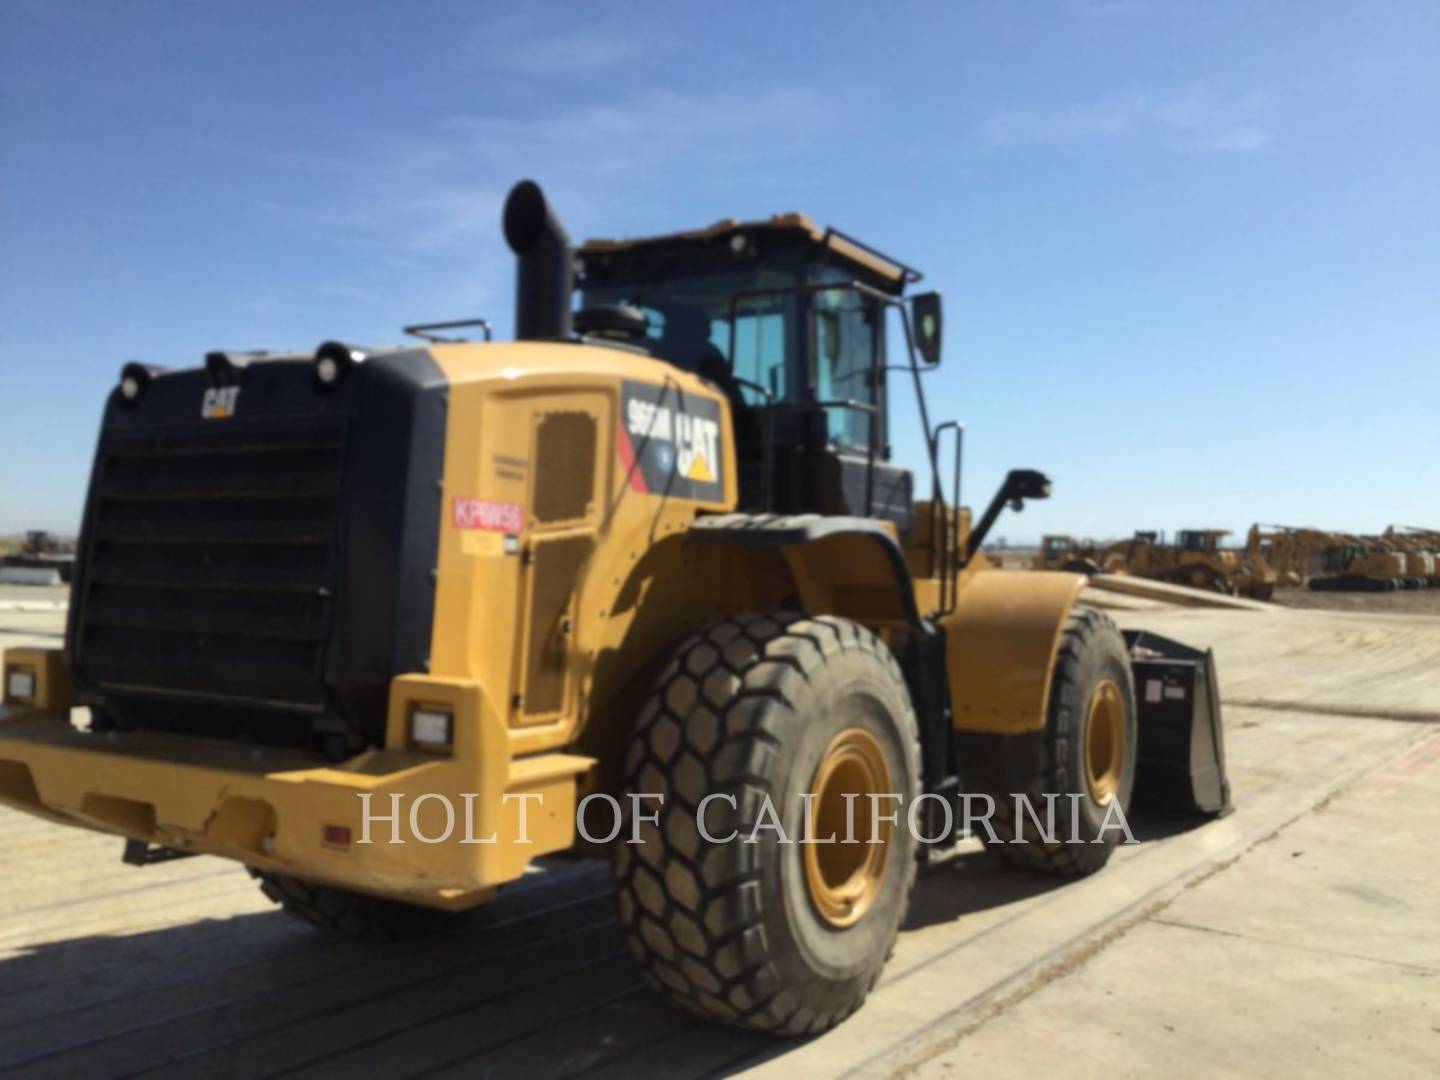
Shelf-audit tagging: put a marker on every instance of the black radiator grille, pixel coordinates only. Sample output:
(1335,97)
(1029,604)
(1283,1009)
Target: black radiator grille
(212,565)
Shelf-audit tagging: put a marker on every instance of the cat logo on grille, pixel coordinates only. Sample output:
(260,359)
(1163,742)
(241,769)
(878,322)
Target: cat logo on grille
(219,402)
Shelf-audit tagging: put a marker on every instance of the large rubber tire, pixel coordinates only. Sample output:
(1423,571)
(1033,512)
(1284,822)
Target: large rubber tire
(355,915)
(748,708)
(1082,566)
(1053,761)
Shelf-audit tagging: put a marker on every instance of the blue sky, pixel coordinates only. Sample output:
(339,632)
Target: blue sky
(1190,252)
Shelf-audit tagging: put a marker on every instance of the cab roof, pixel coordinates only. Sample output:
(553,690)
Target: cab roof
(780,228)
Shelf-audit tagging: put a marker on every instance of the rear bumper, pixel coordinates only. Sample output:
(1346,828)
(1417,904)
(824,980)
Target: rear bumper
(278,812)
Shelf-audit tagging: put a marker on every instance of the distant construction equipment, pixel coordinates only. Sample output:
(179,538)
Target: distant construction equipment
(1195,559)
(41,560)
(1402,557)
(1062,552)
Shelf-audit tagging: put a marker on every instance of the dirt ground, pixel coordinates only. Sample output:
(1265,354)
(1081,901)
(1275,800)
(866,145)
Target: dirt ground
(1399,602)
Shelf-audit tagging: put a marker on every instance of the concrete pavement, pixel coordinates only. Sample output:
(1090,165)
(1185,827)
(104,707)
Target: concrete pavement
(1207,948)
(1314,954)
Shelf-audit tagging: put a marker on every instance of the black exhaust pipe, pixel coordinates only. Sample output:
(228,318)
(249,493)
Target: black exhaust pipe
(545,274)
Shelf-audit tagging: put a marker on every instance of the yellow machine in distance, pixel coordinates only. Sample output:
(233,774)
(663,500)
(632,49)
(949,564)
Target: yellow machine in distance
(654,549)
(1196,559)
(1058,551)
(1345,562)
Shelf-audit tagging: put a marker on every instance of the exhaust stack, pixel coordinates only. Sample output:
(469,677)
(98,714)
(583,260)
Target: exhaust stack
(545,273)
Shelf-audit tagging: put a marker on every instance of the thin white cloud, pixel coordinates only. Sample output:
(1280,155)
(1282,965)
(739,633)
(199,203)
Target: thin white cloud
(1022,126)
(441,190)
(1202,119)
(1205,120)
(578,52)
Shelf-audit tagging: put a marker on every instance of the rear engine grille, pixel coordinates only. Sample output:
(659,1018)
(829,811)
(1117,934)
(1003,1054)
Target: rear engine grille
(212,563)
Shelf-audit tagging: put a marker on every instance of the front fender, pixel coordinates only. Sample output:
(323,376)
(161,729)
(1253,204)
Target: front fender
(846,566)
(1000,646)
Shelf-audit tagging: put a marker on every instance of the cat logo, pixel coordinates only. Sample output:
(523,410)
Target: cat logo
(671,443)
(698,438)
(219,402)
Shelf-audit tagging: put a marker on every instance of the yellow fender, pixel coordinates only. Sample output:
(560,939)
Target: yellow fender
(1000,646)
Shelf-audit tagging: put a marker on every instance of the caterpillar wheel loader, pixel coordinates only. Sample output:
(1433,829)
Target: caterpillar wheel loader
(1061,552)
(387,625)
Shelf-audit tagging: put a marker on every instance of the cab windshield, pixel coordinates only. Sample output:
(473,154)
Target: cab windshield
(689,323)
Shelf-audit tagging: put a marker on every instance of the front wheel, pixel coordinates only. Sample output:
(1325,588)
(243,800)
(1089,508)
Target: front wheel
(751,924)
(1082,766)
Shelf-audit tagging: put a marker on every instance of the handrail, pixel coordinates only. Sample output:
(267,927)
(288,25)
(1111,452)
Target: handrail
(426,330)
(947,551)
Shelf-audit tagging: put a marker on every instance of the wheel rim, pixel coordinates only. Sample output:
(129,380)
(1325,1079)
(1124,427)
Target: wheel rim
(844,879)
(1104,741)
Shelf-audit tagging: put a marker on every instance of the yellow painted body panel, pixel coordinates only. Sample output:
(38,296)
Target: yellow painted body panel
(1000,645)
(269,808)
(542,660)
(499,395)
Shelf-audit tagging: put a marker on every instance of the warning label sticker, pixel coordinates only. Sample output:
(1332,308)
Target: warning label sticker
(671,443)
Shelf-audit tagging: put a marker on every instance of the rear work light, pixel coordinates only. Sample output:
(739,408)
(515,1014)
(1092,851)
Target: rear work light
(432,729)
(19,685)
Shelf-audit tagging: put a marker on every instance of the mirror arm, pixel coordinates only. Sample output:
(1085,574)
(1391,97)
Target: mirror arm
(1019,485)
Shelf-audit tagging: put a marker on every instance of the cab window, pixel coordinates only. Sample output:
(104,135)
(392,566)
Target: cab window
(845,347)
(760,352)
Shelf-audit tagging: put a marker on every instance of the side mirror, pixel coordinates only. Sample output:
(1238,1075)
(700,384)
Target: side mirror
(926,317)
(1027,484)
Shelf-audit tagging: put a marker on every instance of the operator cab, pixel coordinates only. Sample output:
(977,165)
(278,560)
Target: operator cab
(1206,541)
(789,321)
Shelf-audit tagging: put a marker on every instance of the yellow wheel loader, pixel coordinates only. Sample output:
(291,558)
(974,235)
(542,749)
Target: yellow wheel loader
(387,625)
(1061,552)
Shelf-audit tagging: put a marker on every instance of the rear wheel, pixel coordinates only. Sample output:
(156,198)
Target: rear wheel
(755,713)
(1087,751)
(353,914)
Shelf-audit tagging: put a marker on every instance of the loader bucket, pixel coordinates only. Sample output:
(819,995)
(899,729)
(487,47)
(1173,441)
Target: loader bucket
(1180,762)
